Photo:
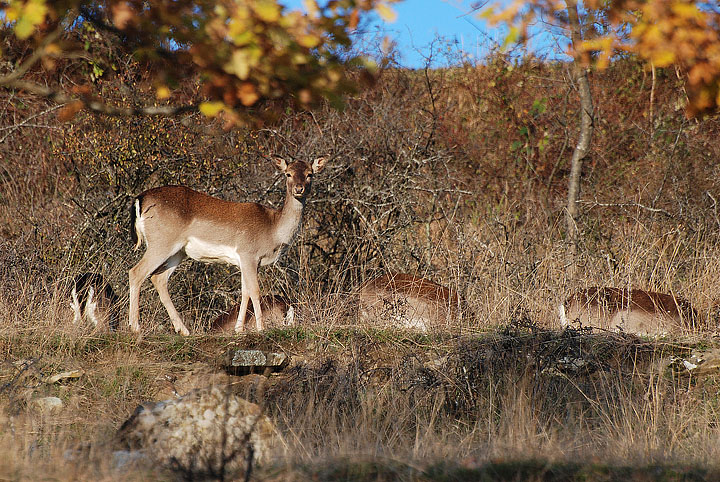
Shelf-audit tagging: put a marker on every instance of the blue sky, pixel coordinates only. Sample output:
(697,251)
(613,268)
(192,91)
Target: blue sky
(420,23)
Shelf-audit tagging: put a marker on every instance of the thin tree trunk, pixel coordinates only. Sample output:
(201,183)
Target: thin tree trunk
(586,128)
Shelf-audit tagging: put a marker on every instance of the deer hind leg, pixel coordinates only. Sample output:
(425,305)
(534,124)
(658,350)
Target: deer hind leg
(76,307)
(91,307)
(151,261)
(160,280)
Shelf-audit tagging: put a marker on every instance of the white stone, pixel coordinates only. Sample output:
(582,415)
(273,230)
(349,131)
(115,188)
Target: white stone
(189,431)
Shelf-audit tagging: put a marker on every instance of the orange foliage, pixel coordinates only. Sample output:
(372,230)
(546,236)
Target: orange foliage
(685,33)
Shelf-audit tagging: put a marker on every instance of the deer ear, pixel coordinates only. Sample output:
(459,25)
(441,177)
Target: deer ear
(318,164)
(279,162)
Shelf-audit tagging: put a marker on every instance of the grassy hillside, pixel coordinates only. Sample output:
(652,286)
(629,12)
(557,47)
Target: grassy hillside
(456,174)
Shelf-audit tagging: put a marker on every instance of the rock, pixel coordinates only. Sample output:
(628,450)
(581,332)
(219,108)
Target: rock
(48,404)
(204,432)
(64,376)
(703,362)
(122,459)
(243,362)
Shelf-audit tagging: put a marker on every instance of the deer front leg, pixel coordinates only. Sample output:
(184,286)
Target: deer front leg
(240,321)
(250,291)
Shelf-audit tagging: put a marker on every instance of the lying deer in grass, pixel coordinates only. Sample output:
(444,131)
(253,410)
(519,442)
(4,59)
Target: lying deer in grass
(176,222)
(94,300)
(408,300)
(276,310)
(632,311)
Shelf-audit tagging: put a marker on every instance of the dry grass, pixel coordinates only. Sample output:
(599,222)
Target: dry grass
(444,192)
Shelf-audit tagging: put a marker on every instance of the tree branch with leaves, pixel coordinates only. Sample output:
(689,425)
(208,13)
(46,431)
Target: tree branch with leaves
(683,33)
(244,54)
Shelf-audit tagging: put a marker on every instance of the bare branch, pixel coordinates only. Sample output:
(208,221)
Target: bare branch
(100,107)
(595,203)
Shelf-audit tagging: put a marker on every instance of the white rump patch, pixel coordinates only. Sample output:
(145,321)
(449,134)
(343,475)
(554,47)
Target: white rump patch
(139,225)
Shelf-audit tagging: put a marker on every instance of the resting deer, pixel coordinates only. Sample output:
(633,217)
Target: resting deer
(93,299)
(632,311)
(276,311)
(409,300)
(176,222)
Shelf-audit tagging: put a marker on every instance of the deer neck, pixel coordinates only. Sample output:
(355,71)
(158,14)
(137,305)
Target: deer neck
(289,219)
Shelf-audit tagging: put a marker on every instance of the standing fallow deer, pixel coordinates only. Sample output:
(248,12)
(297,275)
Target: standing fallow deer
(277,311)
(176,222)
(629,310)
(407,300)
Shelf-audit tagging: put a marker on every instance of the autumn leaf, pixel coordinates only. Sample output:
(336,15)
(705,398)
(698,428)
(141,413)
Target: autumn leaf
(162,92)
(69,111)
(309,41)
(354,19)
(28,16)
(122,15)
(267,10)
(311,6)
(211,109)
(247,94)
(385,12)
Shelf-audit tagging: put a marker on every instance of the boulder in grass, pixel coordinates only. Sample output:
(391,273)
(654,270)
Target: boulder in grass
(204,433)
(244,362)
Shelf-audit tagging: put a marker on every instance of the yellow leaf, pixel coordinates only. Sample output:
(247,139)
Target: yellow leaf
(28,17)
(686,10)
(512,37)
(309,41)
(663,58)
(162,92)
(52,49)
(35,11)
(239,64)
(23,28)
(487,13)
(267,10)
(385,12)
(11,13)
(211,109)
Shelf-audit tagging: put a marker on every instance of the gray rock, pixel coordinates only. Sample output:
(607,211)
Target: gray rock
(48,404)
(204,432)
(122,459)
(254,361)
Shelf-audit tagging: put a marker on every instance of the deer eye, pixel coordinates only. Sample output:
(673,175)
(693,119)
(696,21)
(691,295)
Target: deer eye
(288,175)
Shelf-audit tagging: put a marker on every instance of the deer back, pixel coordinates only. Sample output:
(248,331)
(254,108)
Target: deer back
(406,300)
